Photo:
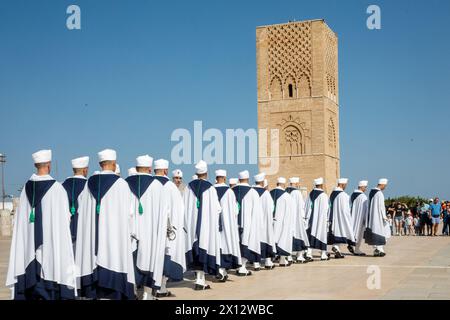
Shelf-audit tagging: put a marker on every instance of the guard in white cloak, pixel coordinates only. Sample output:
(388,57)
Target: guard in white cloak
(268,246)
(230,252)
(202,210)
(377,227)
(171,204)
(104,255)
(177,178)
(359,205)
(340,228)
(249,221)
(41,262)
(316,218)
(147,228)
(74,186)
(300,241)
(283,217)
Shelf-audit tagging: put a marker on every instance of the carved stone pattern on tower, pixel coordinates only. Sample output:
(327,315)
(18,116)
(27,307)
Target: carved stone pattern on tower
(290,59)
(331,134)
(331,64)
(294,136)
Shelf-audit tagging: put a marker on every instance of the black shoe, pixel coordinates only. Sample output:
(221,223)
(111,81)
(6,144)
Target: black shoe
(376,253)
(270,267)
(382,254)
(163,294)
(284,264)
(257,269)
(351,249)
(359,254)
(325,259)
(338,255)
(248,273)
(308,259)
(201,287)
(222,278)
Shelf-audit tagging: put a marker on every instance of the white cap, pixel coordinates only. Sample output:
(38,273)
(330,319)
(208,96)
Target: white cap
(42,156)
(221,173)
(107,155)
(266,183)
(201,167)
(294,180)
(342,181)
(318,181)
(194,177)
(383,181)
(132,171)
(161,164)
(244,175)
(233,181)
(117,169)
(80,163)
(177,173)
(144,161)
(281,180)
(363,183)
(260,177)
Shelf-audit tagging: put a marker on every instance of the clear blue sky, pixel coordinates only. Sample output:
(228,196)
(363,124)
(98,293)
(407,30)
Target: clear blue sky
(145,68)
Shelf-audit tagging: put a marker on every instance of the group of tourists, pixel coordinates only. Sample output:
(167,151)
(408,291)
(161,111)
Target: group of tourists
(422,219)
(104,237)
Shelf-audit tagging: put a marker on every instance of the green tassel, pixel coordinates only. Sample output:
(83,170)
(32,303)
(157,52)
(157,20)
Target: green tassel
(141,209)
(239,206)
(32,215)
(198,203)
(72,210)
(97,209)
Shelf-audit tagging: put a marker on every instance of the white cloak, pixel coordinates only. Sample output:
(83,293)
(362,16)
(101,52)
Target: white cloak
(149,234)
(229,236)
(340,219)
(283,228)
(251,218)
(114,242)
(377,228)
(208,240)
(299,224)
(359,214)
(55,255)
(316,218)
(173,205)
(267,234)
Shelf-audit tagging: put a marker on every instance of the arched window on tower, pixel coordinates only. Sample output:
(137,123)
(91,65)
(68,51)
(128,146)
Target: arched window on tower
(291,91)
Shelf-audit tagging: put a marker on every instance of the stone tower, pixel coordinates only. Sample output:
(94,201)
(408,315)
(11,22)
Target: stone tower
(297,65)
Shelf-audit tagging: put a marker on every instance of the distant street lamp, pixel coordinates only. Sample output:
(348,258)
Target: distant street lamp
(3,161)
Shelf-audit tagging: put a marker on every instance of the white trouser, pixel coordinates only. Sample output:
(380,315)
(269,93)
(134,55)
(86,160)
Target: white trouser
(223,272)
(243,268)
(324,254)
(163,288)
(200,278)
(268,262)
(256,265)
(300,255)
(379,248)
(283,260)
(289,258)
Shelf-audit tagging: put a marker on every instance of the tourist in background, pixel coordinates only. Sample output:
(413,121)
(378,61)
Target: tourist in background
(398,218)
(423,211)
(435,211)
(445,218)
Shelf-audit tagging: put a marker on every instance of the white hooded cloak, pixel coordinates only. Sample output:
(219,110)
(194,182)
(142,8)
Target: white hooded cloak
(316,217)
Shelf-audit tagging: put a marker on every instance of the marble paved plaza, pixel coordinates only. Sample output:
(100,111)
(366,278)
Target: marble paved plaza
(414,268)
